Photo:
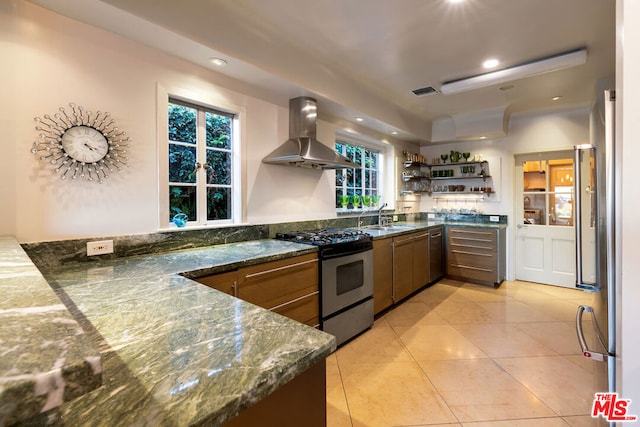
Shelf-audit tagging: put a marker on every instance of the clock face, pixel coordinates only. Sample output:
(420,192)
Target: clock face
(85,144)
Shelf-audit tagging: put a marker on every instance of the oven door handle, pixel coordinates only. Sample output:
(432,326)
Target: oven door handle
(342,254)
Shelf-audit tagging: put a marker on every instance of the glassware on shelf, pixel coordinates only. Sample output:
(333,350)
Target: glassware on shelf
(466,156)
(444,158)
(344,201)
(366,200)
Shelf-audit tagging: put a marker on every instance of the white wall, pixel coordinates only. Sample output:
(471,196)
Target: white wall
(50,60)
(527,134)
(628,135)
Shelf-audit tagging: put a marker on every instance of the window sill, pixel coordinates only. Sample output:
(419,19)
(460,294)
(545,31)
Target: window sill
(201,227)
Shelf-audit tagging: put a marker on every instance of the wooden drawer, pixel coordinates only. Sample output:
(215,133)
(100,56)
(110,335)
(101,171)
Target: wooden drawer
(475,254)
(274,283)
(487,259)
(479,238)
(305,309)
(477,274)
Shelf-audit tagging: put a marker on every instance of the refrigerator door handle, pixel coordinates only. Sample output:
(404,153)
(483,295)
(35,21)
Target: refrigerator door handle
(577,195)
(586,352)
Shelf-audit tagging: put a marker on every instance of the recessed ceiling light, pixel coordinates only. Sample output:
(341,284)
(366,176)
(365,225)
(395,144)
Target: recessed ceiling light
(456,1)
(218,62)
(556,98)
(359,119)
(394,133)
(483,137)
(490,63)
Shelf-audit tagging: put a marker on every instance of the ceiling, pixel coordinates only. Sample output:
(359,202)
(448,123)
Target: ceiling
(363,58)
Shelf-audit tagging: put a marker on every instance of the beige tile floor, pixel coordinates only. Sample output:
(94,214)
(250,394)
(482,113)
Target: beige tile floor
(458,354)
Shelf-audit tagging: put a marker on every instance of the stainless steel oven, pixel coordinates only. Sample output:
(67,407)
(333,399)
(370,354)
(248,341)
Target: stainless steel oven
(347,293)
(346,279)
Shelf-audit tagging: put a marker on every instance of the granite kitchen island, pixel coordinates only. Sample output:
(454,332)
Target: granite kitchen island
(175,352)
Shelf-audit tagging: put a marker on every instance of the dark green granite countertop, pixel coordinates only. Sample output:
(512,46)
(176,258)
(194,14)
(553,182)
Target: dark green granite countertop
(400,228)
(46,358)
(175,352)
(171,351)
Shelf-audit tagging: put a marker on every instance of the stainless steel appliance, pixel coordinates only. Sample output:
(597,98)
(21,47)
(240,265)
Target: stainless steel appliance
(436,270)
(346,279)
(595,221)
(302,149)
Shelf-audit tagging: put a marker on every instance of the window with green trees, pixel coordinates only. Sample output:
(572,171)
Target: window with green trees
(200,163)
(358,188)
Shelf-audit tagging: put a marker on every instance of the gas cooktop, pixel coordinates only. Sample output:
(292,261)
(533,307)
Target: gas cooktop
(324,237)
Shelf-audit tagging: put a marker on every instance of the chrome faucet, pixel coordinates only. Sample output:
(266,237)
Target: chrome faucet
(380,213)
(359,222)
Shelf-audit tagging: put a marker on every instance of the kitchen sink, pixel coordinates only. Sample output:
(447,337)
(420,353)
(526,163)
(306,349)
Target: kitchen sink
(389,227)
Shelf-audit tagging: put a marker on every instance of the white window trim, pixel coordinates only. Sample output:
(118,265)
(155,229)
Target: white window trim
(386,168)
(210,101)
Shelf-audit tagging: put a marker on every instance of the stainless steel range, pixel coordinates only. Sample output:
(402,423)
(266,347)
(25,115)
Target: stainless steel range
(346,279)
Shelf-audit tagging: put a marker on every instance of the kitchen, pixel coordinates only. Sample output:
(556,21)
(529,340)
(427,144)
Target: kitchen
(99,70)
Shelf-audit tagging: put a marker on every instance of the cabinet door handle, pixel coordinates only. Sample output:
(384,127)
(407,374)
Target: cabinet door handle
(402,242)
(437,235)
(273,270)
(234,288)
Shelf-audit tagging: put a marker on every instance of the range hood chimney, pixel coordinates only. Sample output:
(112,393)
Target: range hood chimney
(302,149)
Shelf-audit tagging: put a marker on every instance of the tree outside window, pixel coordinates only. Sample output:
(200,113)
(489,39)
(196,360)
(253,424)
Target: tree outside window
(358,188)
(200,163)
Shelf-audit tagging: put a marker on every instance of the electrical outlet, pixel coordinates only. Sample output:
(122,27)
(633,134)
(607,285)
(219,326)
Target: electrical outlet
(494,218)
(431,216)
(395,218)
(100,247)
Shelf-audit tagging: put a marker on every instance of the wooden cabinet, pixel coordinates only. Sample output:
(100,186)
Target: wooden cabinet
(476,254)
(410,263)
(382,274)
(224,282)
(288,287)
(300,402)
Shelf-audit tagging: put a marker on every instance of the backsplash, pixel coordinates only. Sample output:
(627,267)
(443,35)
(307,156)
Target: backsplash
(69,252)
(460,217)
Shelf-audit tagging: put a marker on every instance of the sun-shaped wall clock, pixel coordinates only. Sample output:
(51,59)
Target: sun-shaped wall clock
(80,144)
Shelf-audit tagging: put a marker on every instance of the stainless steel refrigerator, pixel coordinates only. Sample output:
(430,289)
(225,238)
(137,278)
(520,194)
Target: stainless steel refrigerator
(595,221)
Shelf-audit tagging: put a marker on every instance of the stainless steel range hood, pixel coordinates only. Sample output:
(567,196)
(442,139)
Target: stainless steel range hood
(302,149)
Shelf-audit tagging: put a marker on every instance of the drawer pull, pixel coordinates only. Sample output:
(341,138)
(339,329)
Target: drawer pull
(284,304)
(436,235)
(472,268)
(273,270)
(471,253)
(486,233)
(472,239)
(474,246)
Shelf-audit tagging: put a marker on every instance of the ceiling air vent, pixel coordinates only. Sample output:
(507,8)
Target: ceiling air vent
(424,91)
